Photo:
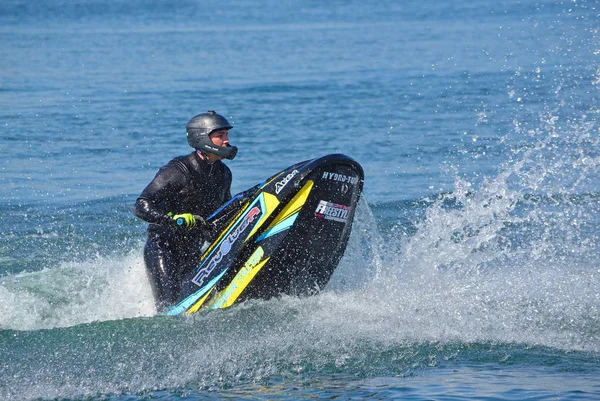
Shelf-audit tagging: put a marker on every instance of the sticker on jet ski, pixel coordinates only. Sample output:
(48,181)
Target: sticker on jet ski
(332,211)
(281,184)
(340,178)
(225,246)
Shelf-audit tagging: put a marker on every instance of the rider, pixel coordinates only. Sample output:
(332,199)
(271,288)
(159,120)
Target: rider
(175,203)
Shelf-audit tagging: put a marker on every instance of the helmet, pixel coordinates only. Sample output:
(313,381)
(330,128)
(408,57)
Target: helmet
(199,128)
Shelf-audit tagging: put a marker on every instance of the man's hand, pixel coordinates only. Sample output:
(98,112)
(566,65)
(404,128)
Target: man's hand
(187,220)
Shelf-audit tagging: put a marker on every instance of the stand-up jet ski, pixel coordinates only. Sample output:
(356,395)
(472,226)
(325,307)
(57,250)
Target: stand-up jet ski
(283,236)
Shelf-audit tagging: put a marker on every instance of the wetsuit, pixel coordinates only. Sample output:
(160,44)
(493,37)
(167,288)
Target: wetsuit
(187,184)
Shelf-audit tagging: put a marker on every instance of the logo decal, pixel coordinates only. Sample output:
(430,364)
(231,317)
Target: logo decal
(348,179)
(281,184)
(251,263)
(332,211)
(226,246)
(240,281)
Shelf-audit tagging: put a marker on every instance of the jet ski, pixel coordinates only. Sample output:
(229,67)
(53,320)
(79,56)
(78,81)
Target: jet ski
(285,235)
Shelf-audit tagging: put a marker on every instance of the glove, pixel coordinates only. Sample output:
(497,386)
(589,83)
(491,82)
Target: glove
(187,220)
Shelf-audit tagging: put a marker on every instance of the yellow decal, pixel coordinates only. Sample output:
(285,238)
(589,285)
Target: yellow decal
(295,204)
(241,280)
(271,202)
(198,304)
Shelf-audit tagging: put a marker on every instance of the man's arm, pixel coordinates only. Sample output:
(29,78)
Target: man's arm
(150,204)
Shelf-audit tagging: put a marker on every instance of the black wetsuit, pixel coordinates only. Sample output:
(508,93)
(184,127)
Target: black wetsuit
(187,184)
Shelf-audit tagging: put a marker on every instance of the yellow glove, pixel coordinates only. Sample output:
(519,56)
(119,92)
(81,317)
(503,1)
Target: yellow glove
(185,220)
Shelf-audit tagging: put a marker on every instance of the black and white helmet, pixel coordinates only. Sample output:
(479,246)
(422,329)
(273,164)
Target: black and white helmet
(199,128)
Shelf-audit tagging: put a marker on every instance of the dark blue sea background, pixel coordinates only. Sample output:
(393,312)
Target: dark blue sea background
(473,268)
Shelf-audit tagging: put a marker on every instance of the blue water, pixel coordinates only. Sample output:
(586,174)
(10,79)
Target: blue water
(472,271)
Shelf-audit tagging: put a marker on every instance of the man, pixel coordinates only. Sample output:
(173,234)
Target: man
(184,192)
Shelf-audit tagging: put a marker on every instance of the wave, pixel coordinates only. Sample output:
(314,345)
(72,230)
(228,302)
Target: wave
(256,343)
(98,289)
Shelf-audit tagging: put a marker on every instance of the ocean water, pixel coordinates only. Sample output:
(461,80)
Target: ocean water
(473,268)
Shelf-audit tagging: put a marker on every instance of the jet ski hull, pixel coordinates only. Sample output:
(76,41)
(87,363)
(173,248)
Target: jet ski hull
(283,236)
